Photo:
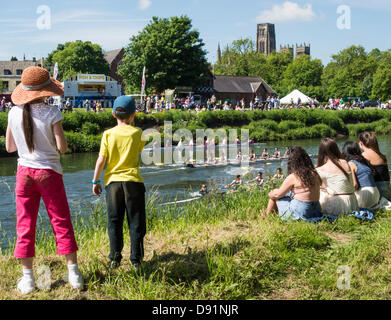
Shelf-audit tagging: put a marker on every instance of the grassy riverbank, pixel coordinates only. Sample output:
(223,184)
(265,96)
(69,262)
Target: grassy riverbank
(84,130)
(222,248)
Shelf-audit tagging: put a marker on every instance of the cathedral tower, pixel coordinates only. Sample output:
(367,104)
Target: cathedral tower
(266,38)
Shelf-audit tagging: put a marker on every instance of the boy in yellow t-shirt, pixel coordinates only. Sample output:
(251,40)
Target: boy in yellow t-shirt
(125,190)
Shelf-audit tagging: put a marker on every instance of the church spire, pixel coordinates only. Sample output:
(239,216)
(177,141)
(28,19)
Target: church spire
(218,53)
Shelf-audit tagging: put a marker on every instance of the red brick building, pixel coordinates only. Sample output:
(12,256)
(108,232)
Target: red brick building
(114,59)
(238,88)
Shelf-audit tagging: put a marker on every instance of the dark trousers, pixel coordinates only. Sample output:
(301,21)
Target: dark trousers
(129,197)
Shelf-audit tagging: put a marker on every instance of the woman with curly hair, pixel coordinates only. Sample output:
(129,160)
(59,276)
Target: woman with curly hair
(304,183)
(337,194)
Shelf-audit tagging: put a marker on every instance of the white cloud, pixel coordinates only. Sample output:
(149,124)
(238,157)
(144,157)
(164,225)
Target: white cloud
(78,16)
(288,11)
(110,38)
(144,4)
(373,4)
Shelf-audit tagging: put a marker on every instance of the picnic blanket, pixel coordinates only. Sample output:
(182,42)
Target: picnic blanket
(362,214)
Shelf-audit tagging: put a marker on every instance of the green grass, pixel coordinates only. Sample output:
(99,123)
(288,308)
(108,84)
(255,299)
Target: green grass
(222,248)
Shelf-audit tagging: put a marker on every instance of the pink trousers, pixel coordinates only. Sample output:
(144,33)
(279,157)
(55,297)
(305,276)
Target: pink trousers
(31,185)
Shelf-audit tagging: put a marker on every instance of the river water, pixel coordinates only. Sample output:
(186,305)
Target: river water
(166,183)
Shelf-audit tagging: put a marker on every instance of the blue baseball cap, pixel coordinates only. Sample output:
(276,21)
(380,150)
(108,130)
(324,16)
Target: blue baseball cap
(126,103)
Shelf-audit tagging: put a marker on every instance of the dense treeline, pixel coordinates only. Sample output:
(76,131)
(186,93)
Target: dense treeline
(352,72)
(78,57)
(84,130)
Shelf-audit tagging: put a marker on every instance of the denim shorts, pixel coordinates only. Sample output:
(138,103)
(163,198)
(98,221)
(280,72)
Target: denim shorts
(292,209)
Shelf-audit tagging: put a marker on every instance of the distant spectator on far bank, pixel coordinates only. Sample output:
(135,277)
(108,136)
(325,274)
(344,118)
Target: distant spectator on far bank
(87,105)
(2,105)
(60,105)
(68,105)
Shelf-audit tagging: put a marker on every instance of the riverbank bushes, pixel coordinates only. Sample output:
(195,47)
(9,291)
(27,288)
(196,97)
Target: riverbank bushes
(220,248)
(80,142)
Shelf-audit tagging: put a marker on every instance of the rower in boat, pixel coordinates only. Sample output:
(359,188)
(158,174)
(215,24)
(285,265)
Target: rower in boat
(258,180)
(239,157)
(252,156)
(279,175)
(277,154)
(235,184)
(189,164)
(287,153)
(204,190)
(265,155)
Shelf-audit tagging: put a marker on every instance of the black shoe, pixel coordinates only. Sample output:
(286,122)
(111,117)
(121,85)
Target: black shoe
(136,266)
(114,265)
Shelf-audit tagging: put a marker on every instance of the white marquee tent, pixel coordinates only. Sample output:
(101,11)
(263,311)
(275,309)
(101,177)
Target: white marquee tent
(295,95)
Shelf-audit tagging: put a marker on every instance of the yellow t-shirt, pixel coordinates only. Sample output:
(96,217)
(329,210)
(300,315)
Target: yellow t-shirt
(121,146)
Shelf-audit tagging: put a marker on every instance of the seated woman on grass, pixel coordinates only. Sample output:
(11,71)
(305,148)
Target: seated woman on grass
(337,195)
(367,193)
(371,151)
(304,183)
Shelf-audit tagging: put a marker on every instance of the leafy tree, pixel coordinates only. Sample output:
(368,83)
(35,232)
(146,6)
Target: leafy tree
(276,64)
(382,78)
(243,46)
(303,74)
(14,59)
(366,87)
(49,59)
(345,74)
(352,72)
(303,71)
(382,84)
(233,63)
(241,59)
(1,86)
(172,53)
(78,57)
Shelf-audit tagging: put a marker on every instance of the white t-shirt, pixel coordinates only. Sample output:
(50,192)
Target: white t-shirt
(45,155)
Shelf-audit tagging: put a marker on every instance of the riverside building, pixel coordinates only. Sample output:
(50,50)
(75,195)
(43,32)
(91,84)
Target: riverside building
(11,74)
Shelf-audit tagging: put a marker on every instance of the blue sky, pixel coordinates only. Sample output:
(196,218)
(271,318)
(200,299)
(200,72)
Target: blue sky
(111,23)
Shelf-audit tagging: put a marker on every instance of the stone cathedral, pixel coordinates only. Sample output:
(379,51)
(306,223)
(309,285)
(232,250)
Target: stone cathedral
(266,41)
(266,38)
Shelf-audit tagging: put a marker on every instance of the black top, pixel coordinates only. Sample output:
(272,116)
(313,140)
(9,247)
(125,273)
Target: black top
(382,173)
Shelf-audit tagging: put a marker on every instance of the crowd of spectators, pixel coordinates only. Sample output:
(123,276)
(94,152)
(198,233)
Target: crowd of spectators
(159,104)
(151,104)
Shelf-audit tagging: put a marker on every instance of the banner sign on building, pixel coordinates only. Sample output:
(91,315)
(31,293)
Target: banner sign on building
(91,77)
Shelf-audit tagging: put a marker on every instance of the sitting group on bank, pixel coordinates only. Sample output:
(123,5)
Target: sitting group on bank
(342,182)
